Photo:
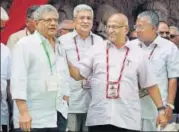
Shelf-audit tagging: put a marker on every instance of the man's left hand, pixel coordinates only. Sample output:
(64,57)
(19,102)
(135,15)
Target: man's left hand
(162,119)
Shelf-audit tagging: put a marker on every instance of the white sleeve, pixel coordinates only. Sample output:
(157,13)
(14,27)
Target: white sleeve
(20,64)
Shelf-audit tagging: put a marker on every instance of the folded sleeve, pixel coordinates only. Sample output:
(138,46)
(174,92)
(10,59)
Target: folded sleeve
(173,63)
(20,63)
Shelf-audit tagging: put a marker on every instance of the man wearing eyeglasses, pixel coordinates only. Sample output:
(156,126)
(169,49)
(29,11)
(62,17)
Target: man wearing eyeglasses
(76,44)
(117,68)
(65,27)
(164,60)
(174,35)
(163,30)
(29,28)
(40,76)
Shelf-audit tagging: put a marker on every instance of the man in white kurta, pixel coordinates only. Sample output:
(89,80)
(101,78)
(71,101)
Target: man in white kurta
(39,76)
(5,77)
(76,44)
(164,59)
(29,29)
(116,69)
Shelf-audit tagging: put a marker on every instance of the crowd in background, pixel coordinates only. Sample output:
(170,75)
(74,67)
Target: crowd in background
(38,94)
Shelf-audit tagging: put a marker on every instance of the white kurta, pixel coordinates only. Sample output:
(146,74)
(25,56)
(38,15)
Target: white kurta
(5,75)
(80,98)
(30,69)
(165,64)
(124,112)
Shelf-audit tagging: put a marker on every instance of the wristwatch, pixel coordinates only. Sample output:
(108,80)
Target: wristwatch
(161,108)
(171,106)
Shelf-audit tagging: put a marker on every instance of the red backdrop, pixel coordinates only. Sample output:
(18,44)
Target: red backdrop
(17,15)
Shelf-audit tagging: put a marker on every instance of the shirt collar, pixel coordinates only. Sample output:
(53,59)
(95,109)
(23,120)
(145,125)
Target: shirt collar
(41,37)
(74,33)
(127,44)
(157,42)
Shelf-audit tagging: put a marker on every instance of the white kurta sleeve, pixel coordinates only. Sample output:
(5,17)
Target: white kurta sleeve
(8,65)
(173,63)
(20,63)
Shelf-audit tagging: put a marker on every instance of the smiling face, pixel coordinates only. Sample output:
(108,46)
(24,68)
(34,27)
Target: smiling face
(117,28)
(83,21)
(48,24)
(145,30)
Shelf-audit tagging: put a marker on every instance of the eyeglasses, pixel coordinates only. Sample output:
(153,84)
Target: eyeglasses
(114,27)
(172,36)
(162,33)
(49,20)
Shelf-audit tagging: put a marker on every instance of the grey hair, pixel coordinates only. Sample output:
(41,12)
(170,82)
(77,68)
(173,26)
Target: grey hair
(175,28)
(82,7)
(4,15)
(152,17)
(43,9)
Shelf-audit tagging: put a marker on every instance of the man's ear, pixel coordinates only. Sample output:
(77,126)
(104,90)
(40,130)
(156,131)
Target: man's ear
(35,23)
(127,29)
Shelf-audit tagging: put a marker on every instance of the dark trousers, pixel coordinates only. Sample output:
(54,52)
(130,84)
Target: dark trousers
(108,128)
(4,128)
(61,122)
(39,130)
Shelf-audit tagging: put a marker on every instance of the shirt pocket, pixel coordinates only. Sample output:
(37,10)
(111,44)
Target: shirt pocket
(130,70)
(158,65)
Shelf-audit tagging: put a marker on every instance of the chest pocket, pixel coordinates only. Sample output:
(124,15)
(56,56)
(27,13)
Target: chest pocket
(159,64)
(130,70)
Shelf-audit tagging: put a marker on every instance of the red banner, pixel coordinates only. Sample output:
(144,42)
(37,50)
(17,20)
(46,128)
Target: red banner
(17,15)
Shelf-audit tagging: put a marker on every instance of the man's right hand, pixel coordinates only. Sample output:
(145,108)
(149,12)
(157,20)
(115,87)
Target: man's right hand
(25,122)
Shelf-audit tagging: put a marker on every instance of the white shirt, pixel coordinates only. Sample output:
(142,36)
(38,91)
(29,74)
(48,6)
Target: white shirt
(165,64)
(80,98)
(30,69)
(125,111)
(5,75)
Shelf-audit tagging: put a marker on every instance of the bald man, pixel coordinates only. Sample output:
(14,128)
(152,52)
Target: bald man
(65,27)
(116,68)
(163,30)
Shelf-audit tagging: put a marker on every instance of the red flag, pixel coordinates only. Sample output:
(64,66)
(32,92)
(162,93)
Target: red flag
(17,15)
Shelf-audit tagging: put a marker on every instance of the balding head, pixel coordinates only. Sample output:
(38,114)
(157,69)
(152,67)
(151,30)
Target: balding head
(4,18)
(119,18)
(117,28)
